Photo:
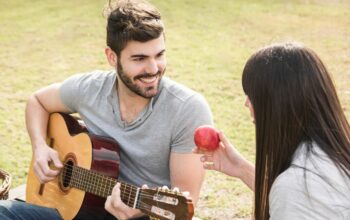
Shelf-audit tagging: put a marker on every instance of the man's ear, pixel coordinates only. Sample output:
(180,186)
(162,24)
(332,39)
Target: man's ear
(111,56)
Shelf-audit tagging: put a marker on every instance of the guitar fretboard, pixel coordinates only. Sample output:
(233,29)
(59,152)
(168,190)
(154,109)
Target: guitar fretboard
(99,184)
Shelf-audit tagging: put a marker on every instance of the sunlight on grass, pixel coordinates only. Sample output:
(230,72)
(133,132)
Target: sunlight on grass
(208,42)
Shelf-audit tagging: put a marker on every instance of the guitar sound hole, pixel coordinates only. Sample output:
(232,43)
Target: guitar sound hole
(67,173)
(66,176)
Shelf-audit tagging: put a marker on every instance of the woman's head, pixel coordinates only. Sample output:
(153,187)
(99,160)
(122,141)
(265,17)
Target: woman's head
(294,100)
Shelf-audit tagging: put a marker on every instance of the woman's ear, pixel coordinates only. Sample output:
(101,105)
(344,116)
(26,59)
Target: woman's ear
(111,56)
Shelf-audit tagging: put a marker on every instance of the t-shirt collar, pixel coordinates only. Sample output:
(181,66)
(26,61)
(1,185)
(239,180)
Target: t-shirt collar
(114,101)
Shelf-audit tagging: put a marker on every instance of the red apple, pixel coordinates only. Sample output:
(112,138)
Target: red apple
(206,137)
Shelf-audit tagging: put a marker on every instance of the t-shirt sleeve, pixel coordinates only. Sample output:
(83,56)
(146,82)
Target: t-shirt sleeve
(71,91)
(286,199)
(299,194)
(195,112)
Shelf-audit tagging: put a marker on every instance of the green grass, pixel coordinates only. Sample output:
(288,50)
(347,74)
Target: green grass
(208,42)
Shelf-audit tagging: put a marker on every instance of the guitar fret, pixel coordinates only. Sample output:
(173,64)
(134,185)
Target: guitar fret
(124,192)
(101,185)
(95,186)
(132,198)
(129,194)
(106,188)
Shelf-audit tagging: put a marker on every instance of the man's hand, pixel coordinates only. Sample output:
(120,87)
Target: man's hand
(43,155)
(118,208)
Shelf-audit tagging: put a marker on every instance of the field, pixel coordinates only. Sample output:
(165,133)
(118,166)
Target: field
(208,42)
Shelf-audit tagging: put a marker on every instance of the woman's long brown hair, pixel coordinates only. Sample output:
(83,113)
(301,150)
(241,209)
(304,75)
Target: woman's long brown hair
(294,101)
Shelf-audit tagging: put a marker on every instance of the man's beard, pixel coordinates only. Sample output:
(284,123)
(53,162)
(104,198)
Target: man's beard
(128,82)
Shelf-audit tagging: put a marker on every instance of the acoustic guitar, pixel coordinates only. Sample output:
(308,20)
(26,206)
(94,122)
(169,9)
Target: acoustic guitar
(91,168)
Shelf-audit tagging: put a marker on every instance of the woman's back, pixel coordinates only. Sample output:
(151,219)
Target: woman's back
(313,187)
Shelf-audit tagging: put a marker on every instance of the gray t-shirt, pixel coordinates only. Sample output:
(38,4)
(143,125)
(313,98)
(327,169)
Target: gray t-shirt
(166,125)
(318,190)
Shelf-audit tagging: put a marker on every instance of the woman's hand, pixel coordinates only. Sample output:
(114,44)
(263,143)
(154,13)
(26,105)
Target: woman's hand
(228,160)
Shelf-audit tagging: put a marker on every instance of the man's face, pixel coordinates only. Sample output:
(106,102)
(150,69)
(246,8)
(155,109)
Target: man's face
(141,66)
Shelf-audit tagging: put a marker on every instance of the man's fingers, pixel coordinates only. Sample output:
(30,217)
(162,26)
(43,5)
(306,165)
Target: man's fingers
(116,200)
(56,160)
(47,171)
(116,190)
(40,175)
(43,170)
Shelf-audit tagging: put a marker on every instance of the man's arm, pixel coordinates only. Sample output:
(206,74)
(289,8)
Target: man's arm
(39,106)
(187,173)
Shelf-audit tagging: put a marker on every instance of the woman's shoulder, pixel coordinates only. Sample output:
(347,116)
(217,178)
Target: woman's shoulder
(311,160)
(312,186)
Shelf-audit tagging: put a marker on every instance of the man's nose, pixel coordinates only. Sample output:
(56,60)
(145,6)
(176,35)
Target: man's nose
(152,67)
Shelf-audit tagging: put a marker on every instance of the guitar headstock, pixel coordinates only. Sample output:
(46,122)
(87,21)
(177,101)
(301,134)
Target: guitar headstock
(165,204)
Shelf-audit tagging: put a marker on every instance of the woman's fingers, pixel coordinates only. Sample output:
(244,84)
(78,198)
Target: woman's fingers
(224,139)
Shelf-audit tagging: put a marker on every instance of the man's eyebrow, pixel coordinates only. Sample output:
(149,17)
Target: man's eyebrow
(138,56)
(144,55)
(162,51)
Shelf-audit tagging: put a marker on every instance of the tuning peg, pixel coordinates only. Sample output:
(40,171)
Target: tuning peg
(185,193)
(163,189)
(176,191)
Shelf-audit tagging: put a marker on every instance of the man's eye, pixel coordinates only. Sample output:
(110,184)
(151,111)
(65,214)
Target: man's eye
(139,59)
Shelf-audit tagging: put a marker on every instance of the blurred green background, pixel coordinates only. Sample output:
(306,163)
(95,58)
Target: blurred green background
(208,42)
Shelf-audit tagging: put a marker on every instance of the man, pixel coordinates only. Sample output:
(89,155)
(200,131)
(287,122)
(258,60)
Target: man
(152,117)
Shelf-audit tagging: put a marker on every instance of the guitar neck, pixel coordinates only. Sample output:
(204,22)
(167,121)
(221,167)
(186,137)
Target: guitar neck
(99,184)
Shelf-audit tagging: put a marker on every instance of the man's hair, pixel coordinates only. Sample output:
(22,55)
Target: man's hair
(128,20)
(294,101)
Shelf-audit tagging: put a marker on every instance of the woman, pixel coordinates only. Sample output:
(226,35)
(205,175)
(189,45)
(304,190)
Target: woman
(302,138)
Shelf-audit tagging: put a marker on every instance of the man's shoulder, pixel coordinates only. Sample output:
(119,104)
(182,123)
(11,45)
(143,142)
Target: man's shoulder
(96,76)
(178,91)
(91,80)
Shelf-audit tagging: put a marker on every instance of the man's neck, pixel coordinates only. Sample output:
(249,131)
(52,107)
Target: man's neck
(130,104)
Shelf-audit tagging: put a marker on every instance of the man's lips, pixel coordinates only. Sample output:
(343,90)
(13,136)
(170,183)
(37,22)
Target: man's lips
(148,79)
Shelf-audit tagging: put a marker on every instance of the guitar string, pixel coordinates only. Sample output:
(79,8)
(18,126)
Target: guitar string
(141,204)
(131,202)
(110,181)
(105,194)
(92,185)
(127,187)
(95,186)
(81,171)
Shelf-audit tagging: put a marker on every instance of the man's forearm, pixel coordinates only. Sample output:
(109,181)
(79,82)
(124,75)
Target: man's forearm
(36,121)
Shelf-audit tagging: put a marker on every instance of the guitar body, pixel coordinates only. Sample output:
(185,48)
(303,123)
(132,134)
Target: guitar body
(75,145)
